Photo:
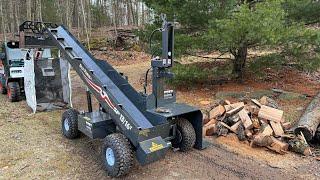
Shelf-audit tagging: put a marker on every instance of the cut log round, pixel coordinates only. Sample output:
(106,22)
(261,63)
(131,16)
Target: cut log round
(261,140)
(310,120)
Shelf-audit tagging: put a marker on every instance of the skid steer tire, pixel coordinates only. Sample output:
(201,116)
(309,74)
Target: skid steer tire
(69,124)
(185,135)
(117,155)
(3,89)
(13,91)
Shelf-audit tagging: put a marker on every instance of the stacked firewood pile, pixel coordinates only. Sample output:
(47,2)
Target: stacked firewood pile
(124,37)
(260,122)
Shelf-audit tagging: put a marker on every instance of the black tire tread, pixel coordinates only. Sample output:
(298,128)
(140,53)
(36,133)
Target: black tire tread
(123,154)
(72,115)
(3,90)
(188,135)
(14,89)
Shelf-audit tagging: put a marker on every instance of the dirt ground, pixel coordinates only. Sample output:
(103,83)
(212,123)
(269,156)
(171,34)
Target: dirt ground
(32,147)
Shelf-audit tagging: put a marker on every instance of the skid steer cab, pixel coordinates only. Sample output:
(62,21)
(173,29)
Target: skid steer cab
(11,71)
(133,124)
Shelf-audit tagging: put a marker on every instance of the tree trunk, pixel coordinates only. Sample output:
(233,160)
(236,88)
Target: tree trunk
(143,13)
(11,16)
(240,61)
(3,27)
(310,120)
(89,26)
(28,6)
(16,17)
(38,15)
(136,13)
(132,12)
(128,13)
(68,14)
(85,23)
(115,23)
(78,19)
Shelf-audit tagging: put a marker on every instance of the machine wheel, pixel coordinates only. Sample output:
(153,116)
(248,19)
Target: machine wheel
(3,89)
(69,124)
(13,91)
(117,155)
(185,135)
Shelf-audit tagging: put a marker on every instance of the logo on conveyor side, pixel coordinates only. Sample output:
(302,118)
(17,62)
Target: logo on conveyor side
(105,97)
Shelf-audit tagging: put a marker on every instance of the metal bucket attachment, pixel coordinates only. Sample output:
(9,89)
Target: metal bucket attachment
(47,82)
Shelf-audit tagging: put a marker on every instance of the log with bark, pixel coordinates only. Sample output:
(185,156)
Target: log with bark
(310,120)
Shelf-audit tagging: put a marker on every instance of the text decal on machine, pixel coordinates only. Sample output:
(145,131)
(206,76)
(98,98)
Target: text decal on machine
(105,97)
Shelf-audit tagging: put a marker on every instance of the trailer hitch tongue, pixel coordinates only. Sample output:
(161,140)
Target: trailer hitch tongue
(151,150)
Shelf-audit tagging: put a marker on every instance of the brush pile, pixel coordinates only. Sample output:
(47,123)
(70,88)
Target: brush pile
(260,122)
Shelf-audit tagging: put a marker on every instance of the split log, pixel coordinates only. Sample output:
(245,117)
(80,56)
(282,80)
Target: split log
(235,127)
(212,121)
(216,112)
(265,100)
(270,113)
(249,133)
(247,123)
(253,109)
(205,118)
(277,128)
(228,127)
(209,130)
(310,120)
(267,130)
(241,133)
(227,102)
(232,106)
(221,130)
(261,140)
(234,111)
(205,121)
(204,131)
(256,123)
(256,102)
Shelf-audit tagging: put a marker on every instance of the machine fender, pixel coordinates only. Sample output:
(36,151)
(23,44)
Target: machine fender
(195,118)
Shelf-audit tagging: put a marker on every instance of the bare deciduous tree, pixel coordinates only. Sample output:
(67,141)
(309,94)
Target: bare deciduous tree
(82,15)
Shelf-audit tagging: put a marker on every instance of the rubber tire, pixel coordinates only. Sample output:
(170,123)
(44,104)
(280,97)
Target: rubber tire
(13,91)
(3,89)
(72,116)
(185,135)
(123,153)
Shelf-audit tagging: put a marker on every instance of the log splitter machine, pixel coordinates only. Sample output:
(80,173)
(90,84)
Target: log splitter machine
(131,123)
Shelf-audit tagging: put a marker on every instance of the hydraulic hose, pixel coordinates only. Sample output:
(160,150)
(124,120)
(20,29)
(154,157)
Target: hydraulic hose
(152,54)
(150,38)
(146,81)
